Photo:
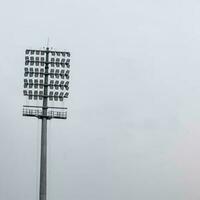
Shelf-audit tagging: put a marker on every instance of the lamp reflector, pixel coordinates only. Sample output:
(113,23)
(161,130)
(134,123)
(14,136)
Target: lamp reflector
(57,73)
(66,95)
(40,95)
(25,92)
(36,72)
(35,95)
(41,83)
(56,84)
(52,73)
(27,51)
(51,84)
(51,96)
(56,96)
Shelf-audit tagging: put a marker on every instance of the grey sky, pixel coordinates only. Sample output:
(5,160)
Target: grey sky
(133,125)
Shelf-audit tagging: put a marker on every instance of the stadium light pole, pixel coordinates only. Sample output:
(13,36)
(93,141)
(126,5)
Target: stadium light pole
(44,82)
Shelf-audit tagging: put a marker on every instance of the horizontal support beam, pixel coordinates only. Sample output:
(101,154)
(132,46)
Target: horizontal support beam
(39,114)
(51,107)
(47,96)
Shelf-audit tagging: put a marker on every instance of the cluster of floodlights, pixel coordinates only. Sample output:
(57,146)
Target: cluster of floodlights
(37,57)
(58,74)
(30,71)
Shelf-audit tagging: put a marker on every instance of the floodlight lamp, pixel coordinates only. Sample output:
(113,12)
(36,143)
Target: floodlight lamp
(25,92)
(31,72)
(67,83)
(66,95)
(25,83)
(36,83)
(36,72)
(51,96)
(67,65)
(61,94)
(35,95)
(67,76)
(68,54)
(30,84)
(56,85)
(57,73)
(30,92)
(41,84)
(62,73)
(52,73)
(51,84)
(41,93)
(41,72)
(56,96)
(26,62)
(26,72)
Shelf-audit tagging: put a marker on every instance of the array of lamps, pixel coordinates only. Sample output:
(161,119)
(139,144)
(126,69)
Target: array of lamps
(34,73)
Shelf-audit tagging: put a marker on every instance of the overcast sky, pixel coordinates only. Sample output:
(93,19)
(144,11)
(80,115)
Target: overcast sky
(133,128)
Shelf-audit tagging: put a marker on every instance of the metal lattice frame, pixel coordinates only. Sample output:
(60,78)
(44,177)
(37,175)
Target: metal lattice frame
(46,78)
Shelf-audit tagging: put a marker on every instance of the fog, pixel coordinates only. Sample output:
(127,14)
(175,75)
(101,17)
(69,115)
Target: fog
(133,111)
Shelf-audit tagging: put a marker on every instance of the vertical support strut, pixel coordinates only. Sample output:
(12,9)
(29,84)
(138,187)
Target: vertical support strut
(43,158)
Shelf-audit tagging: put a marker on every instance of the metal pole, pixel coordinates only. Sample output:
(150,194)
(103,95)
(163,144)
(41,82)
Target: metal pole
(43,158)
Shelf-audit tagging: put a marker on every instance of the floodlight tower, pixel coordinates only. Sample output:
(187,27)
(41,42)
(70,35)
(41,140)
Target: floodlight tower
(46,78)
